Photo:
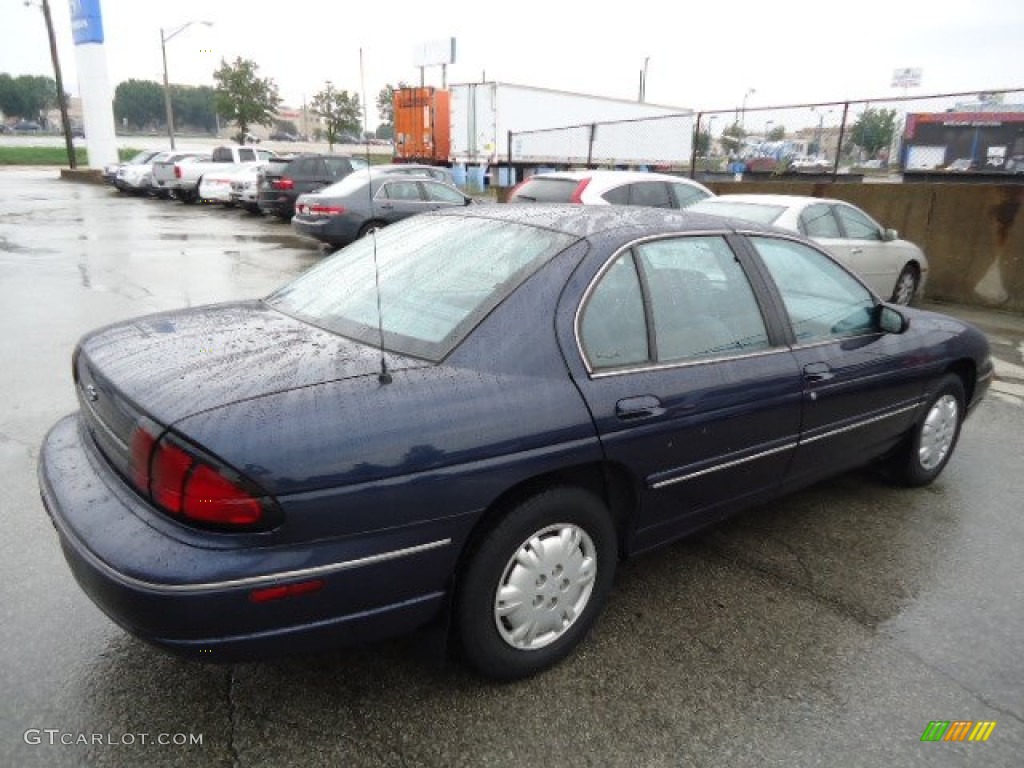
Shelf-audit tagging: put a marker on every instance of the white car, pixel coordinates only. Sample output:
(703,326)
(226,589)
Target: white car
(215,185)
(894,269)
(245,185)
(656,190)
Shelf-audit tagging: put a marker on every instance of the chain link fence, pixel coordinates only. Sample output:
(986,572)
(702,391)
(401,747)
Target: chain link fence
(979,134)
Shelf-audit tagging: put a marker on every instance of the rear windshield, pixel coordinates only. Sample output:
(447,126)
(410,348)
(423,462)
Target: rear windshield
(439,276)
(546,191)
(759,213)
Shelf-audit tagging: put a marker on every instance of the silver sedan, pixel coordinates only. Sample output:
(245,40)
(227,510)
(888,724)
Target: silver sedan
(894,269)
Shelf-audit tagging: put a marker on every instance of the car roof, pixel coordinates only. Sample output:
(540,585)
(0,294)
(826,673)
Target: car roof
(787,201)
(610,176)
(585,220)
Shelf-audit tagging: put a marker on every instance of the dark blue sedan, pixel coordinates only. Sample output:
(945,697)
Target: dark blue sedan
(467,419)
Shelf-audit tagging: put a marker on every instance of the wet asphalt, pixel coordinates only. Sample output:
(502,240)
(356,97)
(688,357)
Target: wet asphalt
(826,629)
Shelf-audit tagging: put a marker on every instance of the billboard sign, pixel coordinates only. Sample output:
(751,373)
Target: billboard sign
(909,77)
(435,53)
(86,21)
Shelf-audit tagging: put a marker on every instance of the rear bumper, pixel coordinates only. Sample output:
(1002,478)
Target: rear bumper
(194,597)
(336,230)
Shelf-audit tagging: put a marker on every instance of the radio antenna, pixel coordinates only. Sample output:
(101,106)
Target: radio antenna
(384,377)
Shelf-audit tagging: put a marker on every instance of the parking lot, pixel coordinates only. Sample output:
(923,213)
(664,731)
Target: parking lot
(825,629)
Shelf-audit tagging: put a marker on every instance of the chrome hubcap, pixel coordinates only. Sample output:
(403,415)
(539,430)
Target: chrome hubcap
(905,289)
(938,431)
(545,586)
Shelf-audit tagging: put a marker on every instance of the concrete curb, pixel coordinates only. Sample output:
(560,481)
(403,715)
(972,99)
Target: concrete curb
(84,175)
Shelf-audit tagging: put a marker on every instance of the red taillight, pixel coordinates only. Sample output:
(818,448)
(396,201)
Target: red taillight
(577,195)
(284,183)
(183,482)
(212,498)
(326,210)
(177,171)
(267,594)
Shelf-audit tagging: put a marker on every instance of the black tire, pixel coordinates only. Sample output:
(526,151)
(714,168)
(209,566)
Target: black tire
(934,437)
(189,196)
(906,285)
(371,226)
(577,548)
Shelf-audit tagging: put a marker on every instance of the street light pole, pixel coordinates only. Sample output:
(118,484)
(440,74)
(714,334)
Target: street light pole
(743,109)
(62,101)
(167,88)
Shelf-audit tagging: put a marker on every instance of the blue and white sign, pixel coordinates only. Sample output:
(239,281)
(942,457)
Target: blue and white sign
(86,21)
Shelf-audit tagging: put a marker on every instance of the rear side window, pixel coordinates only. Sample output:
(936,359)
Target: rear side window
(614,326)
(546,191)
(337,167)
(222,155)
(653,194)
(618,196)
(246,155)
(401,190)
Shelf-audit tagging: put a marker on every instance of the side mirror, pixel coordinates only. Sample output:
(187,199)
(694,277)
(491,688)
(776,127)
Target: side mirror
(889,235)
(892,320)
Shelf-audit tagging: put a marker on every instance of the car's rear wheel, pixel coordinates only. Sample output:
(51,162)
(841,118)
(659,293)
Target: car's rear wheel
(536,583)
(934,437)
(906,285)
(371,226)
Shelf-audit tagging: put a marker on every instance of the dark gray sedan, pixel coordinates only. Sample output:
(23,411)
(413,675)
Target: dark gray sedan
(366,201)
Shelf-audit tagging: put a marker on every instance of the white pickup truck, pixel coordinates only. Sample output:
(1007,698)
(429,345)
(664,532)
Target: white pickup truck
(182,178)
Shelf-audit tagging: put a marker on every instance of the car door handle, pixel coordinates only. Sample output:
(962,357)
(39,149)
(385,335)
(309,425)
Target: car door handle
(855,251)
(815,372)
(386,206)
(642,407)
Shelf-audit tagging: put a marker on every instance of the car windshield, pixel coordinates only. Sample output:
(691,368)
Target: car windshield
(439,276)
(759,213)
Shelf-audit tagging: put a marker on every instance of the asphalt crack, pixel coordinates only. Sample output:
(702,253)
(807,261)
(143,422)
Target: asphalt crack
(236,760)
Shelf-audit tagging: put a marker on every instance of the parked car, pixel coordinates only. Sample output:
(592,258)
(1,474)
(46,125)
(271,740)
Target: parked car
(143,158)
(168,170)
(369,200)
(215,186)
(137,178)
(27,126)
(894,269)
(467,420)
(186,176)
(283,181)
(245,189)
(656,190)
(809,163)
(436,172)
(282,136)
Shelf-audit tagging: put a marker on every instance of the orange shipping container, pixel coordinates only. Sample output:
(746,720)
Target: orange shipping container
(422,125)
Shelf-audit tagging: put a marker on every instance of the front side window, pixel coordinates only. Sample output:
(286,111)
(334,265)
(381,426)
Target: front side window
(670,301)
(686,194)
(823,300)
(818,221)
(857,225)
(246,155)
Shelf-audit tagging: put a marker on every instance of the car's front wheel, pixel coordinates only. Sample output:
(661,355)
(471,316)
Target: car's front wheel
(536,583)
(931,443)
(906,285)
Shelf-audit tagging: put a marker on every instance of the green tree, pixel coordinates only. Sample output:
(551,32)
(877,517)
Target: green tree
(874,130)
(244,97)
(27,96)
(195,107)
(341,113)
(702,143)
(386,102)
(385,131)
(778,133)
(139,104)
(732,139)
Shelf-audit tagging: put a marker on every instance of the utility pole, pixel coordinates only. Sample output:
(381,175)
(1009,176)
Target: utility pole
(62,101)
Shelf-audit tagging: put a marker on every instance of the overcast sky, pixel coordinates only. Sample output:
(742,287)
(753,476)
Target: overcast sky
(701,55)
